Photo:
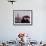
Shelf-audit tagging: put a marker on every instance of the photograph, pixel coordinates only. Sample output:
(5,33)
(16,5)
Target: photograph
(22,16)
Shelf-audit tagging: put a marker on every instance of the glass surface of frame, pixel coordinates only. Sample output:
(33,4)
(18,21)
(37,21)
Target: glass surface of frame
(22,17)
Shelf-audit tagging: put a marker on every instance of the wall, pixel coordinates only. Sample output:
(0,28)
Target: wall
(38,29)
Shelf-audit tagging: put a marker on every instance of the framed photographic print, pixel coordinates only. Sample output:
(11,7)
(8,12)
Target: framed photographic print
(22,17)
